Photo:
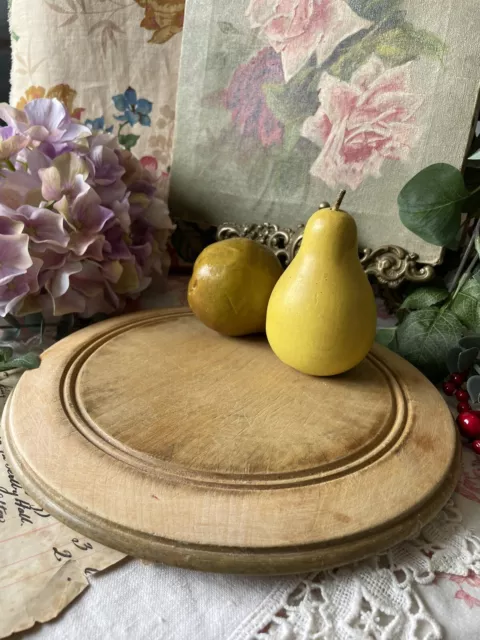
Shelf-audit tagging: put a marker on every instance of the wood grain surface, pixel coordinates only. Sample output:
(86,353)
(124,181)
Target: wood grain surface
(153,434)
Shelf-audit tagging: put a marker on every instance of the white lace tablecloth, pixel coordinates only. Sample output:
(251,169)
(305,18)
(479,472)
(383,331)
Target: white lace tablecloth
(427,588)
(423,589)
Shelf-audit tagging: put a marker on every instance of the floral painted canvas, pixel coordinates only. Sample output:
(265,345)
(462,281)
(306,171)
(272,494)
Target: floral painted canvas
(283,103)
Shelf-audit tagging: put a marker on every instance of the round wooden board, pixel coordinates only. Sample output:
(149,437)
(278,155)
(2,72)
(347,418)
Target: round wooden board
(158,437)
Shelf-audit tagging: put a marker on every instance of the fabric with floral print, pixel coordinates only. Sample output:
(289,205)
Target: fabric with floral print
(163,17)
(120,71)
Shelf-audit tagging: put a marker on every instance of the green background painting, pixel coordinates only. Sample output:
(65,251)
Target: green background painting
(276,114)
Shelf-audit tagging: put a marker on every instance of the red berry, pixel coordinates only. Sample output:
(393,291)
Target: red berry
(469,424)
(457,378)
(449,388)
(476,446)
(463,406)
(462,395)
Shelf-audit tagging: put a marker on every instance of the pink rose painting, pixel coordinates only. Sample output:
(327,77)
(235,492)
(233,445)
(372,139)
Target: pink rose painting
(361,123)
(302,98)
(298,28)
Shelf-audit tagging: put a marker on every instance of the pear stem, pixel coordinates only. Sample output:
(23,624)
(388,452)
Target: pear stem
(341,195)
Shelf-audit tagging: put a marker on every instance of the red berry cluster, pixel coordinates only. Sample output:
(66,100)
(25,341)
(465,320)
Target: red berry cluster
(468,420)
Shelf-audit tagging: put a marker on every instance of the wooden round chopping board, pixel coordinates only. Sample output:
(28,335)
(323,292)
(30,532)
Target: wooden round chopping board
(156,436)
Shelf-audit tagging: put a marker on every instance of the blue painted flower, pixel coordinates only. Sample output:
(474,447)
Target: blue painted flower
(133,110)
(98,124)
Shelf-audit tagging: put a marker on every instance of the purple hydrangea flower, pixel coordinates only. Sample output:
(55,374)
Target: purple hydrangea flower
(47,124)
(12,293)
(44,227)
(11,143)
(14,256)
(82,224)
(65,177)
(8,225)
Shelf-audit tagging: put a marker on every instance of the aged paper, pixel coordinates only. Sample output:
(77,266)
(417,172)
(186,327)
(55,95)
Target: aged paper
(44,565)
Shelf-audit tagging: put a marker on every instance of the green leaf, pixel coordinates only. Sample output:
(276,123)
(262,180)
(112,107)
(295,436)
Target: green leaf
(477,244)
(386,337)
(128,140)
(424,297)
(227,27)
(466,302)
(25,361)
(466,359)
(425,337)
(475,156)
(452,359)
(5,353)
(431,203)
(468,342)
(395,46)
(473,388)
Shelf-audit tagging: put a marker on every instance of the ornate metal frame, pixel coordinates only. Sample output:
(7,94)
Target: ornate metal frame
(391,265)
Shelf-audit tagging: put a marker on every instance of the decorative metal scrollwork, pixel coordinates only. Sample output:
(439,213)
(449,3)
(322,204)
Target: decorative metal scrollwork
(391,265)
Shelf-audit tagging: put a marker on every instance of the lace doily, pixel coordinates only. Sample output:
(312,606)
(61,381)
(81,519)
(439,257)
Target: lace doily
(377,598)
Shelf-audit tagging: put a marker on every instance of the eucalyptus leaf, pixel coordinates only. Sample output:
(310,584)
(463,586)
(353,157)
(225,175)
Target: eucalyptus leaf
(12,321)
(25,361)
(452,359)
(473,388)
(425,338)
(424,297)
(386,337)
(475,156)
(5,353)
(466,302)
(467,342)
(477,244)
(466,359)
(431,203)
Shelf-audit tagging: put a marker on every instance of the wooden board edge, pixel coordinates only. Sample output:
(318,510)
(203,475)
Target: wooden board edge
(277,561)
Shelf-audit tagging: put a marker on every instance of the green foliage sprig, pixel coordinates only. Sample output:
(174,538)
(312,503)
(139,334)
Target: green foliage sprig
(433,320)
(432,202)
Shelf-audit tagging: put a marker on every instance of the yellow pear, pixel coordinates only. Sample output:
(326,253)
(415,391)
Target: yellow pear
(321,316)
(230,286)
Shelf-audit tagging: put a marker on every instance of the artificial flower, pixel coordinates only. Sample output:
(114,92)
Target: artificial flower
(11,143)
(64,92)
(65,177)
(47,123)
(82,225)
(44,227)
(14,291)
(14,256)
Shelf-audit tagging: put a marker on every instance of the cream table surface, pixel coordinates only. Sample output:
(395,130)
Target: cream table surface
(428,588)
